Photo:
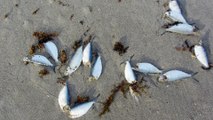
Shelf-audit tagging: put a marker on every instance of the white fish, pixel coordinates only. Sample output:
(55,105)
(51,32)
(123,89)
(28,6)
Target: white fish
(147,68)
(87,55)
(52,49)
(201,55)
(96,70)
(129,74)
(182,28)
(64,98)
(38,59)
(173,6)
(81,109)
(75,62)
(173,75)
(175,16)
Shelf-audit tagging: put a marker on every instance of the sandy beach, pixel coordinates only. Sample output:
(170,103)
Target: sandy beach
(137,23)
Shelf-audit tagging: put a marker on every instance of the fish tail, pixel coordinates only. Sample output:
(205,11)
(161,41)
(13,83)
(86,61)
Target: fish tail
(134,95)
(195,78)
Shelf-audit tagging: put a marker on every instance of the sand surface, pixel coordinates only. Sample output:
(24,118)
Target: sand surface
(26,96)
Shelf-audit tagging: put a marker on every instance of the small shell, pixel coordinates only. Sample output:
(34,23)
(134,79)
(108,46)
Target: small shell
(38,59)
(173,75)
(175,16)
(97,69)
(129,74)
(201,55)
(147,68)
(75,62)
(182,28)
(81,109)
(87,55)
(64,98)
(52,49)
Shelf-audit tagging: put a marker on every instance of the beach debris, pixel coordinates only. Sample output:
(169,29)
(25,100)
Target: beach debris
(43,72)
(63,56)
(81,99)
(174,75)
(77,44)
(75,61)
(62,3)
(147,68)
(81,22)
(96,69)
(38,59)
(119,47)
(34,12)
(82,108)
(52,49)
(181,28)
(64,98)
(87,55)
(6,15)
(71,17)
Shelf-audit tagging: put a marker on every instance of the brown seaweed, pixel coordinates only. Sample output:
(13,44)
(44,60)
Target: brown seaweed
(76,45)
(119,47)
(32,50)
(44,37)
(63,56)
(43,72)
(61,81)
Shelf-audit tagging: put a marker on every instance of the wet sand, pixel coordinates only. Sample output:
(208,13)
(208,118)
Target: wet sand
(26,96)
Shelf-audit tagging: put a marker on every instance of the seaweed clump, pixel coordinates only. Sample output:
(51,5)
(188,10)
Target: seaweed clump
(44,37)
(43,72)
(119,47)
(137,88)
(63,56)
(76,45)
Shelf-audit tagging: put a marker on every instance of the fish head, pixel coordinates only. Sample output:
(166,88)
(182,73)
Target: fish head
(66,108)
(162,78)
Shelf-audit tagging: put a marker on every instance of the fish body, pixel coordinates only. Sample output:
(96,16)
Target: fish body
(64,98)
(175,16)
(147,68)
(182,28)
(173,75)
(129,74)
(96,69)
(81,109)
(201,55)
(75,62)
(87,55)
(38,59)
(52,49)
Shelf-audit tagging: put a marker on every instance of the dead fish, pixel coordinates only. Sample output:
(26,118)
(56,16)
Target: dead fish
(87,55)
(174,16)
(75,62)
(96,69)
(129,74)
(52,49)
(173,75)
(200,54)
(64,98)
(181,28)
(81,109)
(147,68)
(38,59)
